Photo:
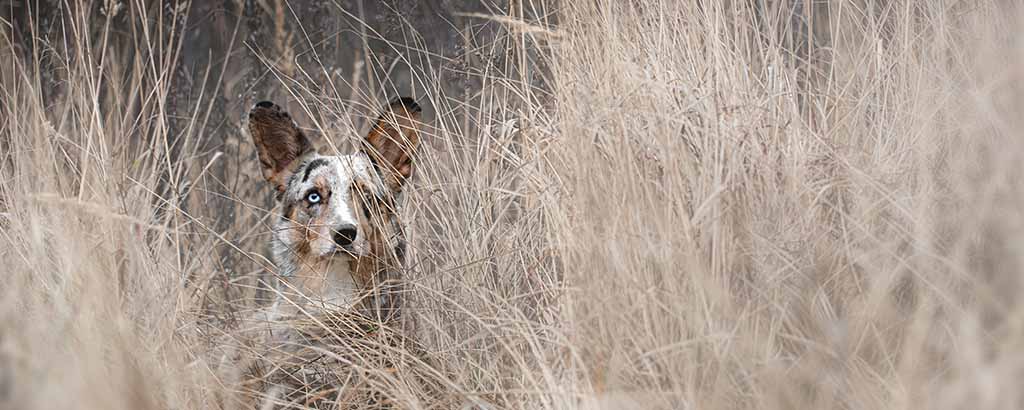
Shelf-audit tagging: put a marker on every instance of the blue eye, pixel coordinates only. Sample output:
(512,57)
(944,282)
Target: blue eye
(313,197)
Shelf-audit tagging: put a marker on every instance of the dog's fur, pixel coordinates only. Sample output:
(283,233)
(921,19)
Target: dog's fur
(338,242)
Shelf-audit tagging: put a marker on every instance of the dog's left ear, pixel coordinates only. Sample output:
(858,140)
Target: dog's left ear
(392,141)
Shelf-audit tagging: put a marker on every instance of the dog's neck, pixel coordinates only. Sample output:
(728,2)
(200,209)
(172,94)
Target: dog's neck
(326,284)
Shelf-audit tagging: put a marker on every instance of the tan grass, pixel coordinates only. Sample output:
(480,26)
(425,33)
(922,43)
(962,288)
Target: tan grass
(702,205)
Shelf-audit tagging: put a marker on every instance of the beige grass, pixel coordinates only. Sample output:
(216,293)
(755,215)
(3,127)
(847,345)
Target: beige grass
(647,205)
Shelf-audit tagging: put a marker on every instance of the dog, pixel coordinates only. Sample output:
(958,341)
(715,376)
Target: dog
(338,243)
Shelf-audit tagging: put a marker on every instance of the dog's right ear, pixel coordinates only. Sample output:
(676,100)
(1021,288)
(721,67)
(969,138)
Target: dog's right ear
(392,141)
(279,142)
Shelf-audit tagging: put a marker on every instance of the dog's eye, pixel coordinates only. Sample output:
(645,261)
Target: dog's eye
(313,197)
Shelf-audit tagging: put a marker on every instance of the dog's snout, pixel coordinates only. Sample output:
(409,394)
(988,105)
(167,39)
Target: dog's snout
(345,235)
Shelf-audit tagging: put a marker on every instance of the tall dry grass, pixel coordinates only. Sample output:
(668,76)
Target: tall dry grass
(642,205)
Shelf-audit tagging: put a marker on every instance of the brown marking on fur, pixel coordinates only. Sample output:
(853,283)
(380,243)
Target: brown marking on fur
(362,268)
(289,210)
(297,230)
(379,265)
(279,142)
(318,227)
(305,244)
(392,141)
(323,186)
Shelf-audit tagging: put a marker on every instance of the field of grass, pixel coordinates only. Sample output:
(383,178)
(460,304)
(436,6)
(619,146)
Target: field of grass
(635,204)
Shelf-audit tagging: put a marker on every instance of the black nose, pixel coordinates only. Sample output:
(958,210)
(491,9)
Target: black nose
(344,235)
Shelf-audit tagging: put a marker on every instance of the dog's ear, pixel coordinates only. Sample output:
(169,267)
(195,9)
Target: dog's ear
(392,141)
(279,142)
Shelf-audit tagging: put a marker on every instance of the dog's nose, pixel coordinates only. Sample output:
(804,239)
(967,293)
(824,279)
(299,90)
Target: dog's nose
(344,235)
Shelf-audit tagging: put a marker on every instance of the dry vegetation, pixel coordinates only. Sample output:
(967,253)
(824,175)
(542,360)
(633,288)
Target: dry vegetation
(730,204)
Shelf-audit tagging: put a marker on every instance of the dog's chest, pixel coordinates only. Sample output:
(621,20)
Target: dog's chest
(318,287)
(339,288)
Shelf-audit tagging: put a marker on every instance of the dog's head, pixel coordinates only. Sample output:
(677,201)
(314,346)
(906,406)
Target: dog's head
(333,204)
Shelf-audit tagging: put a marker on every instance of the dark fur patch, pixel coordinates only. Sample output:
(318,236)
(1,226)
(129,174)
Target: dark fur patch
(314,164)
(408,103)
